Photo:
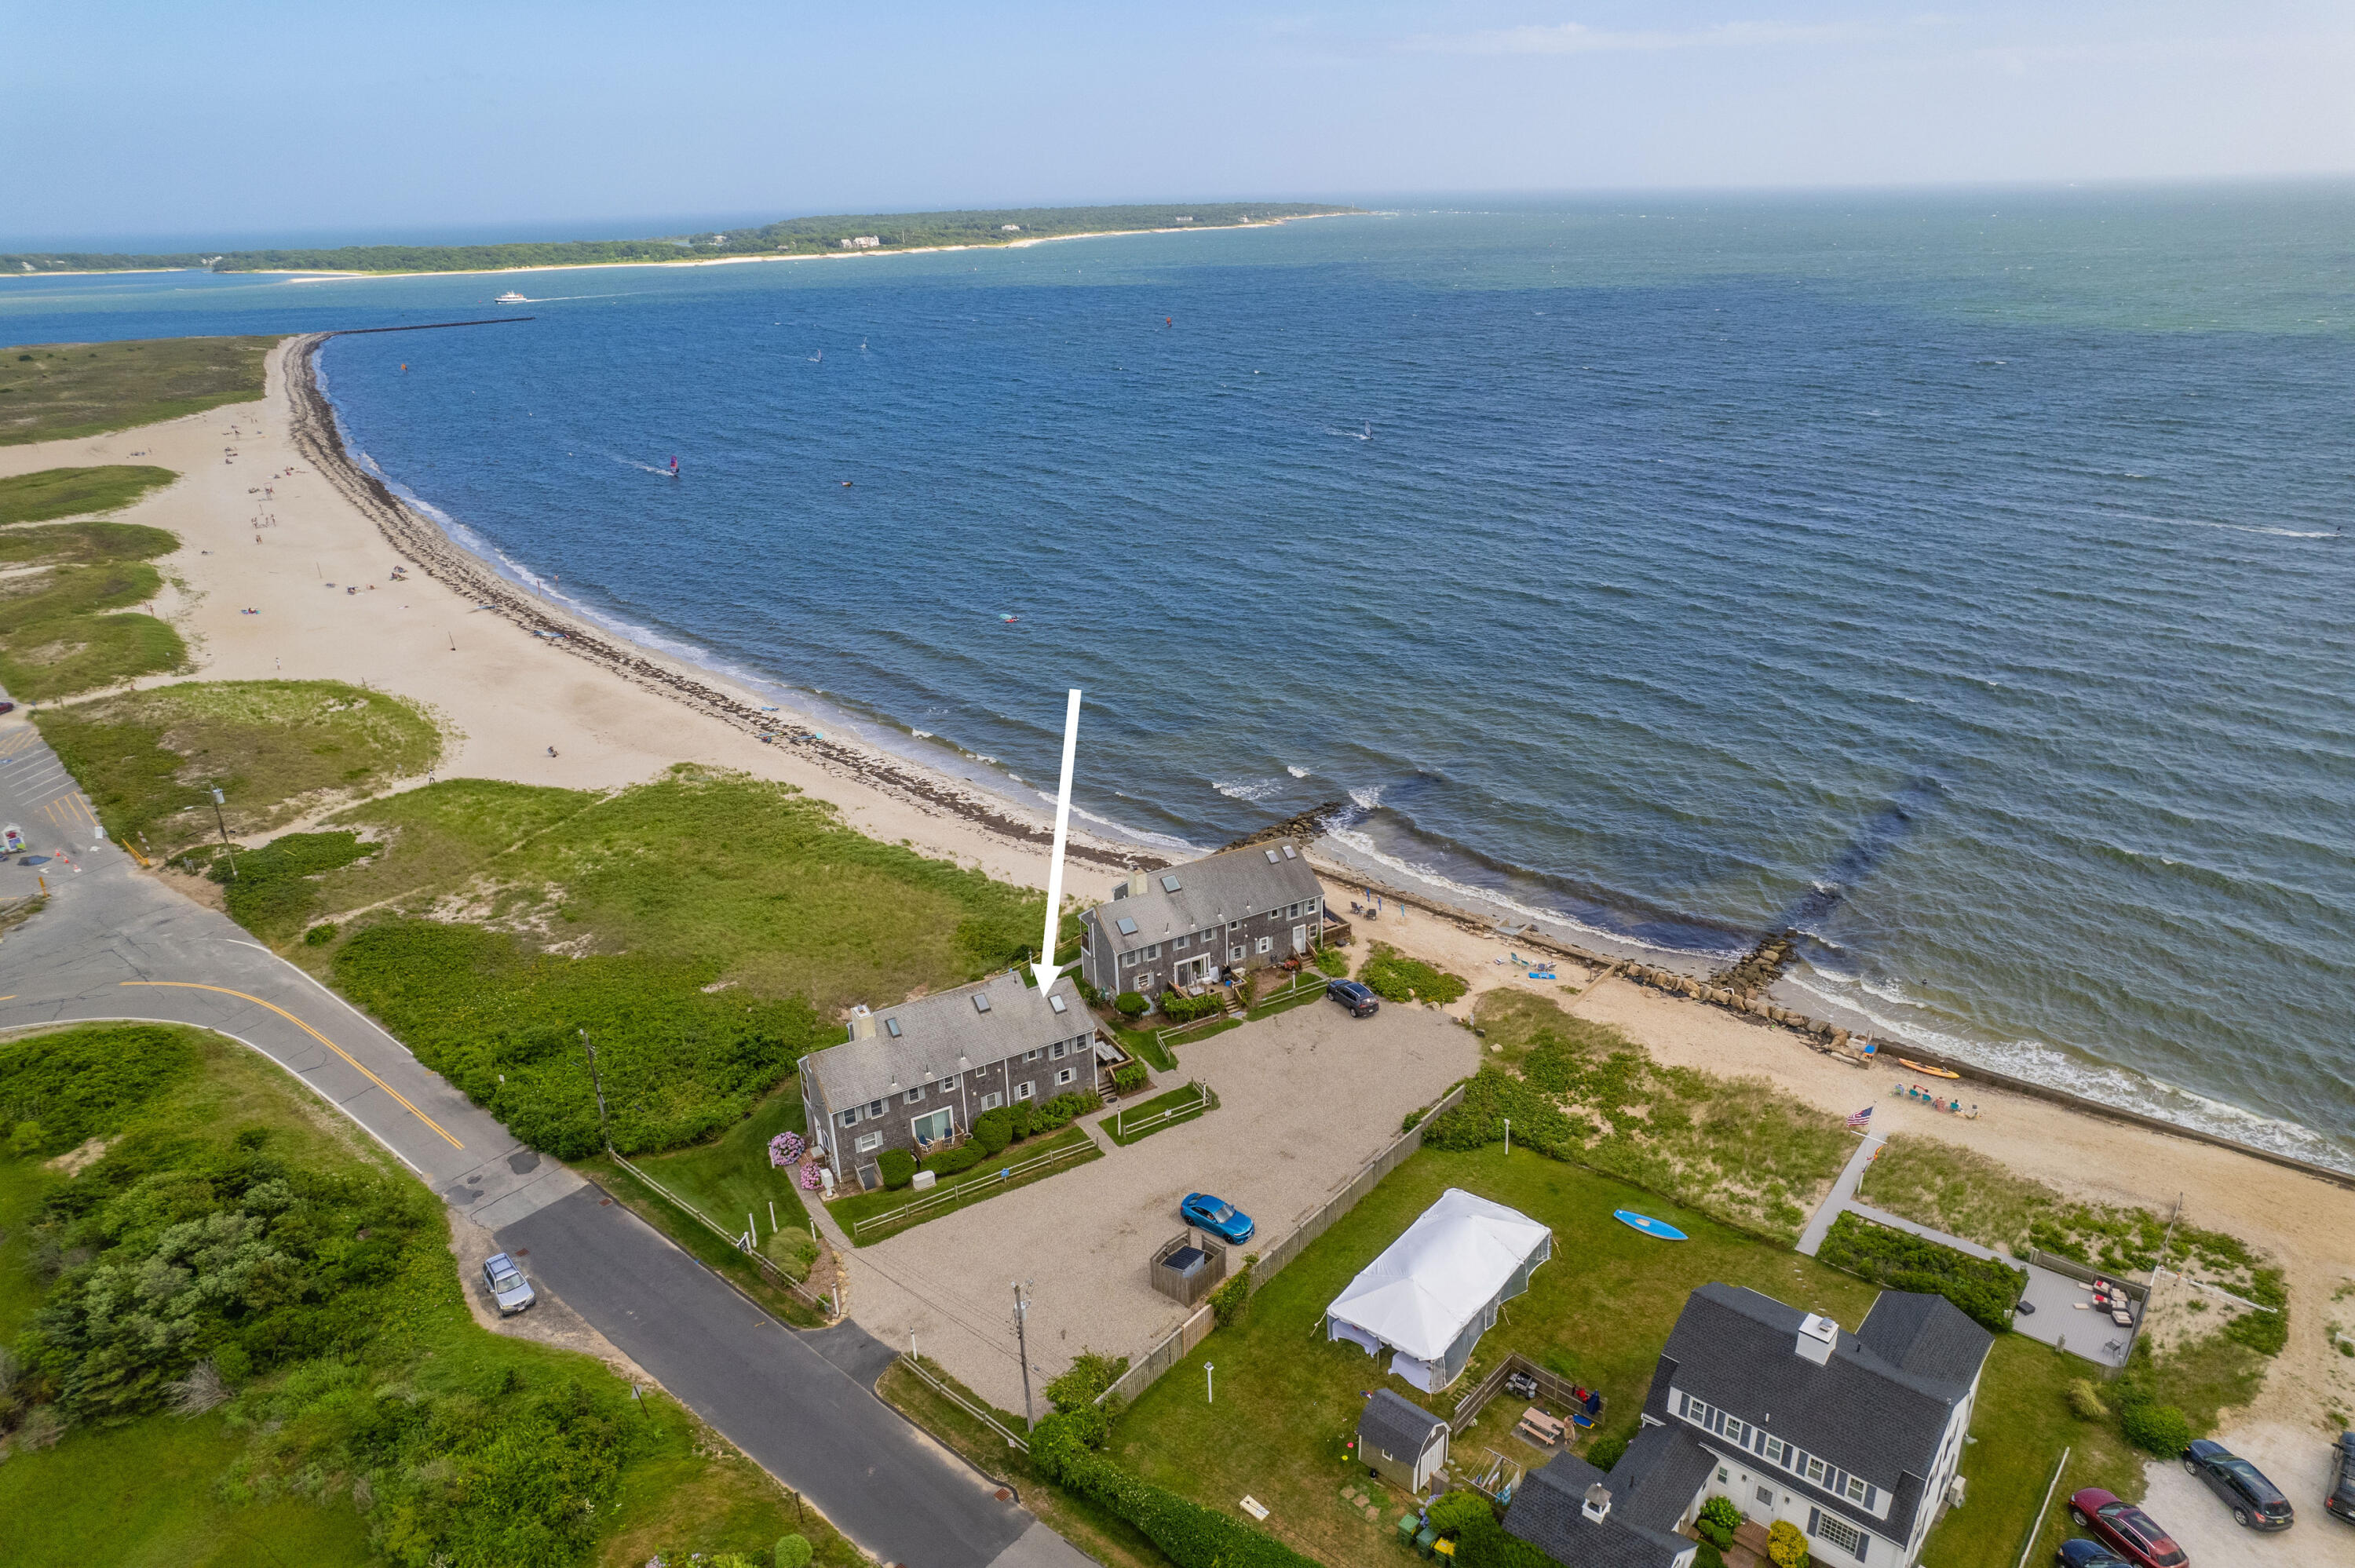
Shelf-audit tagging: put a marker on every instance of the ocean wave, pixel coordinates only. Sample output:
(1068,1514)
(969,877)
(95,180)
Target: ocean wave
(1295,772)
(1258,791)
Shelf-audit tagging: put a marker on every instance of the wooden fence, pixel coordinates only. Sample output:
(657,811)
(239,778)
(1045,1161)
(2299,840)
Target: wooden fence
(769,1271)
(949,1197)
(1147,1369)
(1552,1388)
(1204,1100)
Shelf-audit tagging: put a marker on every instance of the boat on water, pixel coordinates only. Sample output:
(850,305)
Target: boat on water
(510,298)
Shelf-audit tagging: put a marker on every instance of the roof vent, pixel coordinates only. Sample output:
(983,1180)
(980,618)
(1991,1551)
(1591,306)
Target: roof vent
(1170,884)
(980,1002)
(1058,1004)
(1597,1505)
(1817,1337)
(891,1027)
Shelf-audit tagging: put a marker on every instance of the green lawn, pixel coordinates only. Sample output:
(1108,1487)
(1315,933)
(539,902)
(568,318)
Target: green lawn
(1287,1399)
(72,491)
(512,1452)
(2023,1423)
(981,1180)
(149,759)
(57,390)
(729,1178)
(1187,1094)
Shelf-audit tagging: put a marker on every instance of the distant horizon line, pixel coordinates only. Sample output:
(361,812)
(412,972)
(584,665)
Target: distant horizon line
(478,232)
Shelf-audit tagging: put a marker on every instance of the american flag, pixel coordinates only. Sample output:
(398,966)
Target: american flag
(1861,1118)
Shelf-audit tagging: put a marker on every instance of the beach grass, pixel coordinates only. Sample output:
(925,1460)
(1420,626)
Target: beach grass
(75,492)
(1396,977)
(269,1477)
(148,759)
(62,631)
(1736,1147)
(58,391)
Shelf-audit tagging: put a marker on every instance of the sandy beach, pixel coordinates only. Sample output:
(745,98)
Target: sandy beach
(268,525)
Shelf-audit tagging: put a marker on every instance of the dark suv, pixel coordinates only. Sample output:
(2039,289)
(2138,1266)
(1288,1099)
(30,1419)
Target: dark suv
(2256,1503)
(2341,1499)
(1360,1000)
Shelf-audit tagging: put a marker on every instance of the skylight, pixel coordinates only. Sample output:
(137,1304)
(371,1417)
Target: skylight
(1289,854)
(1057,1004)
(1168,884)
(891,1027)
(1127,926)
(980,1002)
(1272,857)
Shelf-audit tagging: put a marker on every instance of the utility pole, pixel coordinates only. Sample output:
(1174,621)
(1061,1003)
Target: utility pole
(222,824)
(1022,1344)
(599,1083)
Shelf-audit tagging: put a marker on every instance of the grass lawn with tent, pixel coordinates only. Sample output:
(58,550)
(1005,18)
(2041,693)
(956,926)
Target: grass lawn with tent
(1598,1312)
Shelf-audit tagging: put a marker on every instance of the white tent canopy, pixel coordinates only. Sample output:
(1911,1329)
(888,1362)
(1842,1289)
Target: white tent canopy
(1435,1291)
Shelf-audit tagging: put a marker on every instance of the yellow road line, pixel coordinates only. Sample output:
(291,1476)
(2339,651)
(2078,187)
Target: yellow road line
(371,1077)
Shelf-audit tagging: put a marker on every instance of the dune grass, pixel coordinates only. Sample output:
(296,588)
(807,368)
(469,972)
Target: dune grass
(57,390)
(149,759)
(507,1439)
(64,630)
(72,491)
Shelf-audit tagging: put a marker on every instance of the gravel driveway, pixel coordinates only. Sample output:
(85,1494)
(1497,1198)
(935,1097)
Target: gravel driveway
(1305,1099)
(2295,1460)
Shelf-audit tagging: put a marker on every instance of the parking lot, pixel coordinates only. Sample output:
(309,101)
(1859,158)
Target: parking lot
(1305,1099)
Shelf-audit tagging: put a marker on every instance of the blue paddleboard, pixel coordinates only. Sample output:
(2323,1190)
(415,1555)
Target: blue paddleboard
(1648,1225)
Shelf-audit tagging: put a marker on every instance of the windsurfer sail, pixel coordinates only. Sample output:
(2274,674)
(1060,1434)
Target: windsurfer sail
(674,468)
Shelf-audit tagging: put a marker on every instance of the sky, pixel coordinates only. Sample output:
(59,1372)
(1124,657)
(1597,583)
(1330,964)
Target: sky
(246,123)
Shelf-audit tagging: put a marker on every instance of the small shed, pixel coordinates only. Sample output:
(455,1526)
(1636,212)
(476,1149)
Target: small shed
(1401,1441)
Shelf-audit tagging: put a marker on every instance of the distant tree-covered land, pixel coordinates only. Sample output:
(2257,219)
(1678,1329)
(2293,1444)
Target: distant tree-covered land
(792,237)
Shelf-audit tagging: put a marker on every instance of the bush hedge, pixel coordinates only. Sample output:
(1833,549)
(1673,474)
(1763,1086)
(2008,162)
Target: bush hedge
(1188,1534)
(1129,1078)
(1984,1288)
(898,1167)
(57,1091)
(950,1161)
(1130,1005)
(993,1129)
(1186,1009)
(1394,977)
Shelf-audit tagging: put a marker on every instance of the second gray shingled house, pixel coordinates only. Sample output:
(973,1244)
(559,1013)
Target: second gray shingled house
(1239,909)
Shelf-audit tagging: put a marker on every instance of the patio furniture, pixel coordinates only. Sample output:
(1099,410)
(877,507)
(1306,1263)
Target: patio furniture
(1544,1428)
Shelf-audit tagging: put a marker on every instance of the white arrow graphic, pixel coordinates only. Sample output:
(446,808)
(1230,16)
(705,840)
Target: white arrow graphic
(1046,969)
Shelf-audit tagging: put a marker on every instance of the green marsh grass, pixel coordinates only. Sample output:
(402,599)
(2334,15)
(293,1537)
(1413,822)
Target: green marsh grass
(73,492)
(55,391)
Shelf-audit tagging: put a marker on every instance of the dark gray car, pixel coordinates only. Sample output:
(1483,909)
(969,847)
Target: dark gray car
(1360,1000)
(2256,1503)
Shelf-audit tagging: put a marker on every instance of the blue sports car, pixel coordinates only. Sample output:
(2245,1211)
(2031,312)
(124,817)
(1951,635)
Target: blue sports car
(2083,1553)
(1216,1215)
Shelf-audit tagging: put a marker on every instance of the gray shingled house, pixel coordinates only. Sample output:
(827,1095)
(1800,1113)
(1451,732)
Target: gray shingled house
(916,1074)
(1852,1437)
(1401,1441)
(1238,909)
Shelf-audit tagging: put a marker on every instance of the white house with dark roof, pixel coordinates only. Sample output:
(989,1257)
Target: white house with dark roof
(916,1074)
(1238,909)
(1854,1438)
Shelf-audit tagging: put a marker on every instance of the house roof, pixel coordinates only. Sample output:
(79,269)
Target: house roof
(1397,1426)
(1209,892)
(1651,1485)
(943,1034)
(1878,1408)
(1443,1272)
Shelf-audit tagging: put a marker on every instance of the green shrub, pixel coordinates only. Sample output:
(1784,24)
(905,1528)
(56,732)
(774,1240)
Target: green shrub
(1484,1543)
(2084,1403)
(1086,1378)
(1129,1078)
(1228,1301)
(1717,1535)
(1333,961)
(1605,1451)
(1059,1111)
(2160,1429)
(1723,1512)
(320,934)
(792,1551)
(1130,1005)
(1394,977)
(1706,1556)
(898,1167)
(1186,1009)
(1982,1287)
(58,1090)
(951,1161)
(1450,1514)
(271,892)
(1019,1118)
(2265,1333)
(992,1130)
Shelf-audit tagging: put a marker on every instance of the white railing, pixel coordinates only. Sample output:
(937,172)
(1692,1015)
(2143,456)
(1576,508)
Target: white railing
(949,1196)
(746,1243)
(1204,1100)
(962,1403)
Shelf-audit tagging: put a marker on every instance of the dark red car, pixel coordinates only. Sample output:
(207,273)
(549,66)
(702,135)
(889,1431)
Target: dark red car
(2126,1530)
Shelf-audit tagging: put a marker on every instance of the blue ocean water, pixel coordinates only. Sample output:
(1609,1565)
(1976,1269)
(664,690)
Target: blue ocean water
(1955,577)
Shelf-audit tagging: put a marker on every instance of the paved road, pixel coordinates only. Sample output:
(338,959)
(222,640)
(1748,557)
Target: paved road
(115,944)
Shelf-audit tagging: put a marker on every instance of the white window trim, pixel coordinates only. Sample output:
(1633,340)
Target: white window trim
(869,1142)
(913,1095)
(1267,944)
(992,1101)
(1022,1091)
(1065,1075)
